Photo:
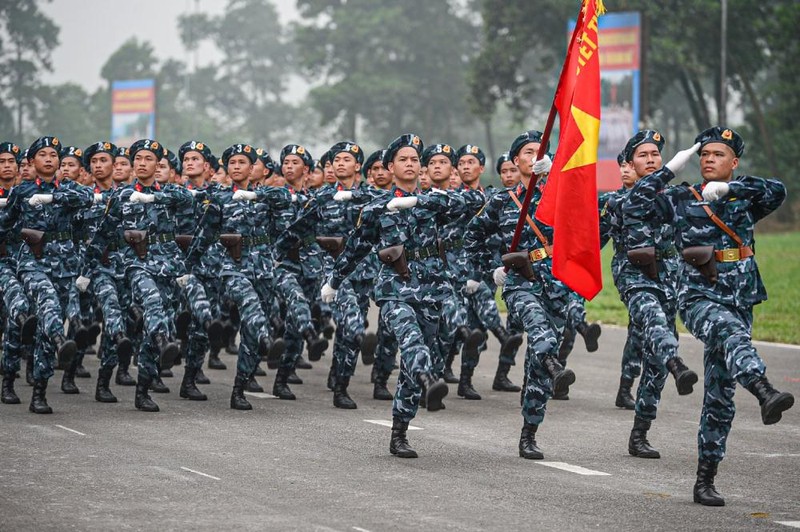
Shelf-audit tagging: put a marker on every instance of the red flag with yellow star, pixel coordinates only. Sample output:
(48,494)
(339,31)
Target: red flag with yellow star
(569,199)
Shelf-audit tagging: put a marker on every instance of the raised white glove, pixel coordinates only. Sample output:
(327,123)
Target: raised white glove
(244,195)
(499,276)
(98,198)
(138,197)
(435,190)
(343,195)
(183,280)
(472,287)
(542,166)
(328,294)
(294,198)
(40,199)
(82,283)
(3,202)
(396,204)
(715,190)
(677,163)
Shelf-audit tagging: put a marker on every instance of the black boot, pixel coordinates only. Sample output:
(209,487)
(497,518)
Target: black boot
(232,348)
(276,350)
(169,351)
(38,400)
(68,381)
(27,326)
(293,378)
(527,443)
(704,491)
(465,388)
(215,332)
(157,385)
(435,390)
(473,339)
(200,377)
(253,386)
(280,389)
(772,402)
(332,375)
(65,351)
(398,445)
(509,343)
(684,377)
(501,381)
(238,401)
(624,396)
(8,395)
(259,372)
(562,377)
(447,375)
(567,343)
(301,363)
(213,360)
(103,393)
(590,332)
(142,400)
(368,343)
(189,388)
(341,399)
(316,345)
(29,369)
(380,391)
(124,378)
(166,374)
(82,373)
(637,443)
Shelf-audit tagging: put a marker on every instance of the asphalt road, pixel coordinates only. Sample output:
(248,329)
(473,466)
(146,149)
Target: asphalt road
(305,465)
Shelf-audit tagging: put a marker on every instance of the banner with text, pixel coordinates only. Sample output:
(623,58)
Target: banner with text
(133,111)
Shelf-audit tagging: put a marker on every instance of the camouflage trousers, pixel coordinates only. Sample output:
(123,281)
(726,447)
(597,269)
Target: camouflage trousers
(632,353)
(349,313)
(416,327)
(50,298)
(155,296)
(454,315)
(106,292)
(543,320)
(298,293)
(576,314)
(15,304)
(729,357)
(386,350)
(195,299)
(483,314)
(253,325)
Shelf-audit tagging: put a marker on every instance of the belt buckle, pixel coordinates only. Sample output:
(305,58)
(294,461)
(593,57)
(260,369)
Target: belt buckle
(538,254)
(730,255)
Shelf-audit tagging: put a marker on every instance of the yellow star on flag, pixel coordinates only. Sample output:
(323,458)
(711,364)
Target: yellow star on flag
(586,153)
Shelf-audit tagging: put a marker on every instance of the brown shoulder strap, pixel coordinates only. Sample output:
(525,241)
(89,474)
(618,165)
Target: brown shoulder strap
(719,223)
(539,235)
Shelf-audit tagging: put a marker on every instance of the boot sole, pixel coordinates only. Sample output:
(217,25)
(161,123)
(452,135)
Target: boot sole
(472,344)
(592,334)
(169,355)
(368,346)
(410,454)
(215,333)
(774,410)
(644,455)
(99,400)
(565,379)
(720,502)
(67,354)
(434,396)
(512,344)
(685,382)
(531,456)
(317,349)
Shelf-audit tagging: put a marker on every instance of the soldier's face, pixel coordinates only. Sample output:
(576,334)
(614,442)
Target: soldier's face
(526,156)
(8,166)
(239,168)
(293,168)
(627,174)
(145,163)
(717,162)
(45,162)
(509,174)
(26,172)
(405,166)
(330,175)
(439,170)
(380,175)
(102,166)
(162,171)
(315,179)
(85,178)
(194,165)
(70,169)
(424,180)
(455,179)
(345,166)
(470,169)
(122,169)
(258,171)
(646,159)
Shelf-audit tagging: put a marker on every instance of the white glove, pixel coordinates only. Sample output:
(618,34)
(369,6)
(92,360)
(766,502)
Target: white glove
(294,198)
(715,190)
(328,294)
(439,190)
(499,276)
(472,287)
(244,195)
(138,197)
(82,283)
(40,199)
(98,198)
(396,204)
(343,195)
(677,163)
(195,192)
(183,280)
(543,165)
(3,202)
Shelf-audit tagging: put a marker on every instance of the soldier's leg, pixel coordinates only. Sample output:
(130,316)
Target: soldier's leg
(130,324)
(115,345)
(631,366)
(385,355)
(17,310)
(348,338)
(470,334)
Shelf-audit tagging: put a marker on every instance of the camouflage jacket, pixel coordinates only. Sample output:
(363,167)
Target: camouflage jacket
(10,249)
(310,258)
(60,256)
(451,236)
(417,230)
(749,200)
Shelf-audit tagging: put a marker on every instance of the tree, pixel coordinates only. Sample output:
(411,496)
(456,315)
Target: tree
(63,112)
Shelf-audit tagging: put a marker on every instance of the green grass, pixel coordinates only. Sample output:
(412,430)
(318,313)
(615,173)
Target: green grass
(775,320)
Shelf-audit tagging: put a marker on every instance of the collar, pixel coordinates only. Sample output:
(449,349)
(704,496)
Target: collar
(39,182)
(141,188)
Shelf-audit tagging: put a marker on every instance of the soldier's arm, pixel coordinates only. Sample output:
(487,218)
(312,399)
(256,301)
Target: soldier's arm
(605,218)
(479,237)
(765,195)
(106,232)
(9,214)
(207,229)
(278,198)
(360,243)
(174,197)
(74,196)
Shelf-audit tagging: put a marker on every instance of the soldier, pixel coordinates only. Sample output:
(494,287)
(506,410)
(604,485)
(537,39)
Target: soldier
(507,170)
(123,170)
(169,169)
(719,282)
(48,262)
(230,235)
(411,285)
(531,292)
(315,178)
(373,169)
(26,170)
(71,163)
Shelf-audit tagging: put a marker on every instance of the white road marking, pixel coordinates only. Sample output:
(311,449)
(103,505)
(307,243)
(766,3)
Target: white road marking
(199,473)
(384,423)
(793,524)
(71,430)
(574,469)
(775,455)
(260,395)
(358,529)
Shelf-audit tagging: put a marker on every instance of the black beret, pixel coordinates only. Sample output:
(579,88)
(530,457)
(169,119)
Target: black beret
(195,145)
(122,151)
(239,149)
(532,135)
(98,147)
(725,136)
(471,149)
(438,149)
(214,162)
(371,160)
(146,145)
(44,142)
(326,158)
(645,136)
(174,162)
(300,151)
(408,140)
(72,151)
(505,158)
(13,149)
(347,147)
(621,157)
